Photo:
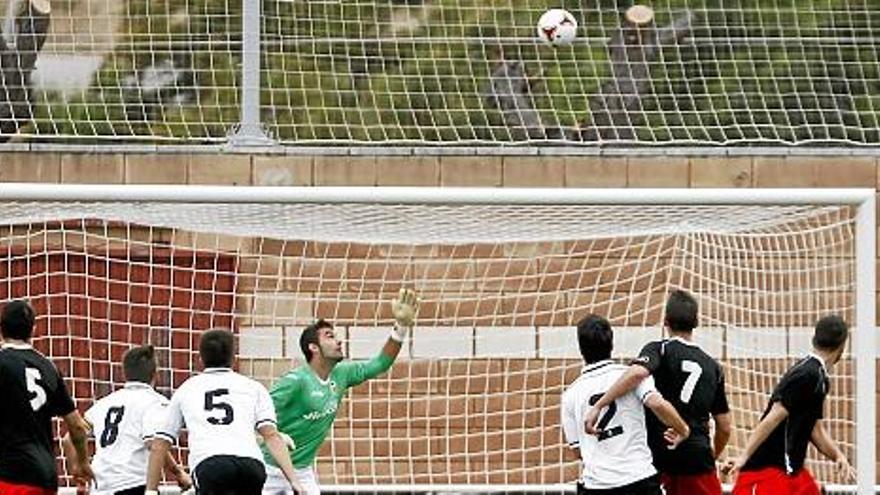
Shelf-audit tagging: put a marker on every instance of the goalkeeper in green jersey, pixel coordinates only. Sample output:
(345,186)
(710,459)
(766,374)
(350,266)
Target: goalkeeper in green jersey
(306,399)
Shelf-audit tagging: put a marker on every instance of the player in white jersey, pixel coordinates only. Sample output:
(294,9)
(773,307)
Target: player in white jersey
(221,409)
(616,461)
(123,424)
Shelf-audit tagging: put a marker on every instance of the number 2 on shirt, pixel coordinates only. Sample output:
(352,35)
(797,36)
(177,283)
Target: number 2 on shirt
(604,431)
(694,371)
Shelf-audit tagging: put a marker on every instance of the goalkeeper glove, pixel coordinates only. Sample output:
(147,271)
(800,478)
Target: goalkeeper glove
(404,308)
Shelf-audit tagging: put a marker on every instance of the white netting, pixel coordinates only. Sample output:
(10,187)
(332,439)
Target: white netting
(453,71)
(474,397)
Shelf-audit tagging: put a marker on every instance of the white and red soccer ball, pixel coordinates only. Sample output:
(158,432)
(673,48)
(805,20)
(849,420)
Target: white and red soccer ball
(557,27)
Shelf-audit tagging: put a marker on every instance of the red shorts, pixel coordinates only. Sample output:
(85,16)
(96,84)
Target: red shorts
(691,484)
(774,481)
(7,488)
(803,484)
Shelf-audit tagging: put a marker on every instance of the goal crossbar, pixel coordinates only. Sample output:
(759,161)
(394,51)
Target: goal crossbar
(431,195)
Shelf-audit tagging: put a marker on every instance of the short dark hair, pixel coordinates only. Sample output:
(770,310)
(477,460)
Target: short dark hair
(682,312)
(217,348)
(595,338)
(17,320)
(831,333)
(139,364)
(311,335)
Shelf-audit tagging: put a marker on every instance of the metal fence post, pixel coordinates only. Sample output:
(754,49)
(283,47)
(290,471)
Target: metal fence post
(250,130)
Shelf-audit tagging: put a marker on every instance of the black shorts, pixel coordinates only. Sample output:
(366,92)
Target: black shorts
(647,486)
(138,490)
(229,475)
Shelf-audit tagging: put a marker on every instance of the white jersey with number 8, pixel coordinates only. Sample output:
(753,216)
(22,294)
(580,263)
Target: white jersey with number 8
(221,409)
(121,423)
(619,454)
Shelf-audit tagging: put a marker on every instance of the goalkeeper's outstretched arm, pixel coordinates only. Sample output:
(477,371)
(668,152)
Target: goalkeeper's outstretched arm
(405,308)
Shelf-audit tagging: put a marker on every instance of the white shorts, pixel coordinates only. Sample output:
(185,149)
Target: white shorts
(276,483)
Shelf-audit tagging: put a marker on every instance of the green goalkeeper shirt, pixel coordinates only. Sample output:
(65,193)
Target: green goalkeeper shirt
(306,405)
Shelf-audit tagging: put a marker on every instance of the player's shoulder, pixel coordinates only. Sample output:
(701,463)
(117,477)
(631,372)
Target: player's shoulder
(190,385)
(613,369)
(655,345)
(292,379)
(807,373)
(112,398)
(807,367)
(296,374)
(14,355)
(254,383)
(707,360)
(602,371)
(345,370)
(689,349)
(100,405)
(245,383)
(345,367)
(152,397)
(8,360)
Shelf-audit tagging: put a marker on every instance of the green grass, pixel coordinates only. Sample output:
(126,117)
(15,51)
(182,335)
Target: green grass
(796,87)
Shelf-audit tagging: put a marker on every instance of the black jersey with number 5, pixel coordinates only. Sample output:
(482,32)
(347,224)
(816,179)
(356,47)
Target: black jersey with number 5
(33,393)
(693,382)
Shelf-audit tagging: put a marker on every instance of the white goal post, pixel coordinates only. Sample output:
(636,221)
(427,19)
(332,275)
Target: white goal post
(497,267)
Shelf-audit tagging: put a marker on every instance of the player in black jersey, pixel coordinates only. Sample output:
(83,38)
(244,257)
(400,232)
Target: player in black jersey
(694,383)
(773,460)
(33,393)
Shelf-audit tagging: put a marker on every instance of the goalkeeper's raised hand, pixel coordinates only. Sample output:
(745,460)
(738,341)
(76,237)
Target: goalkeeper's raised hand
(405,309)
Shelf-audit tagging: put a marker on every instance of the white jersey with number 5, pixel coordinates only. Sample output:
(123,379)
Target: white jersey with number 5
(220,409)
(619,455)
(121,423)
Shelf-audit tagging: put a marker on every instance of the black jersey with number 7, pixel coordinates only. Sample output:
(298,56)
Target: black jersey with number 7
(693,382)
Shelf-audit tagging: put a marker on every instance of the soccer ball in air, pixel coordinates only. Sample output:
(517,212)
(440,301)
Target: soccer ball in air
(557,27)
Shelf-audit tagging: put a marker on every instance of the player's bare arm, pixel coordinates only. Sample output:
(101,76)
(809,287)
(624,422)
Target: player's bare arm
(159,449)
(161,456)
(669,416)
(184,481)
(71,459)
(626,384)
(278,449)
(829,448)
(774,418)
(723,430)
(77,437)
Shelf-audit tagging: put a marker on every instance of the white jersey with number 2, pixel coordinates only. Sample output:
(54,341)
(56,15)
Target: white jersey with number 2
(619,454)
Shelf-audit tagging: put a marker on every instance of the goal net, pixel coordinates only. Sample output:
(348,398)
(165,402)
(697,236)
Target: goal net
(473,399)
(452,71)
